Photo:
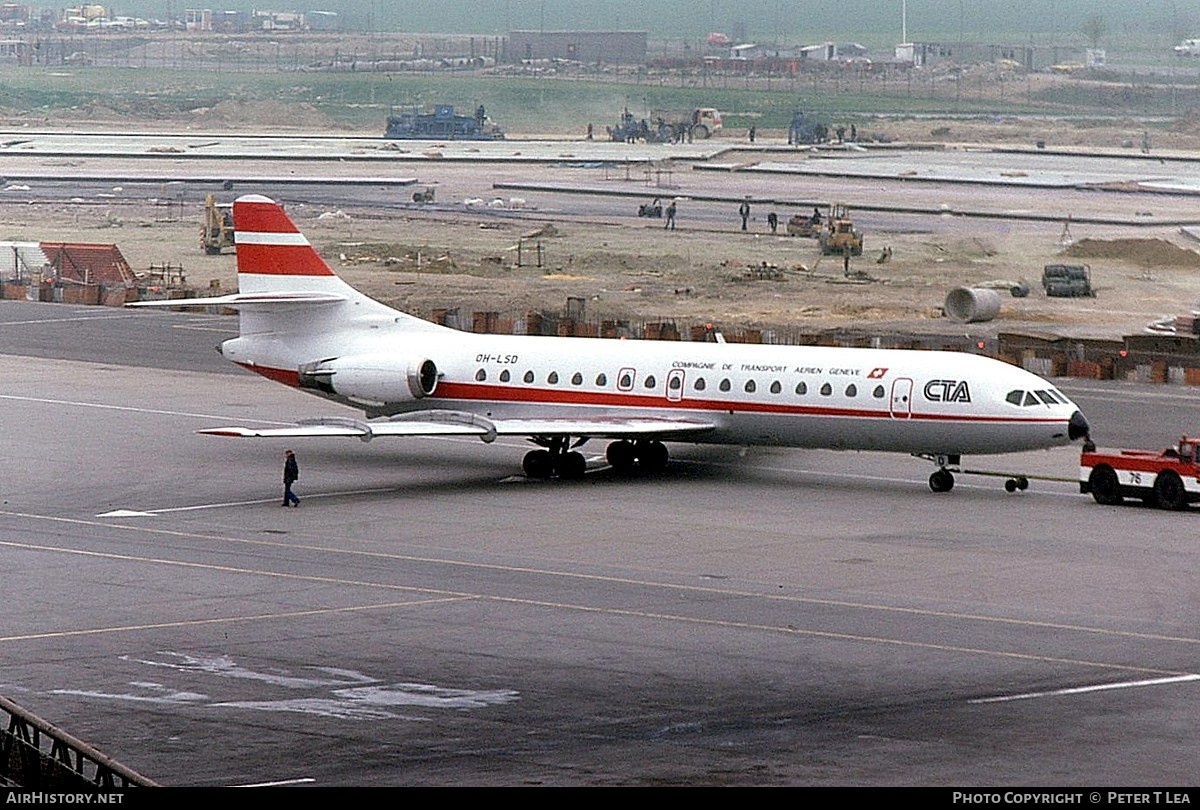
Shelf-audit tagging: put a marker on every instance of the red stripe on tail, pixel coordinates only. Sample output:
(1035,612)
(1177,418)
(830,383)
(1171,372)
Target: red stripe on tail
(257,214)
(280,260)
(269,243)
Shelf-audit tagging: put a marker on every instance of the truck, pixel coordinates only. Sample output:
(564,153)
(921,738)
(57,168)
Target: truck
(217,232)
(1169,478)
(697,122)
(440,122)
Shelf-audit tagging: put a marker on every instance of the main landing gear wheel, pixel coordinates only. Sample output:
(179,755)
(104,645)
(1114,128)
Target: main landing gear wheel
(621,455)
(538,464)
(941,481)
(571,466)
(555,460)
(648,455)
(1019,482)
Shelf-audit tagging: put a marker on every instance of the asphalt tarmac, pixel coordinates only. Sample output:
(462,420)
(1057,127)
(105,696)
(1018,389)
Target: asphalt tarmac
(427,616)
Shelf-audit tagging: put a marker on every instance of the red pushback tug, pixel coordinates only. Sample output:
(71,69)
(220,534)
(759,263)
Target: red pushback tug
(1169,478)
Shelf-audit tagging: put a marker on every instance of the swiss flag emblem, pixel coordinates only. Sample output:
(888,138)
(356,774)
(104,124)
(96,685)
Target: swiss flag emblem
(876,373)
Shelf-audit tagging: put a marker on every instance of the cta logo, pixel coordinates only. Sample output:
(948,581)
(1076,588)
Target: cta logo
(947,391)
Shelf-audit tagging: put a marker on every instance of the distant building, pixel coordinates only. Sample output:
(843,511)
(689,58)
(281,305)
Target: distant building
(607,47)
(1026,57)
(198,19)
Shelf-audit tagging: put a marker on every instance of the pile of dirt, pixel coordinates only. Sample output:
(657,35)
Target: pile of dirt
(264,114)
(1144,252)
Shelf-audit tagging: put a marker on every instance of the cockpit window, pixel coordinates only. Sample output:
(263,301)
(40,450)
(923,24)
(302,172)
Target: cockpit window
(1045,397)
(1030,399)
(1015,397)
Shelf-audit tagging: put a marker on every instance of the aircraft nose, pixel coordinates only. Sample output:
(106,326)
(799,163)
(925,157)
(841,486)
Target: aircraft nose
(1077,426)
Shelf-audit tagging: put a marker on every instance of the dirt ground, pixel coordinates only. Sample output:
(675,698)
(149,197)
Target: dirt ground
(450,257)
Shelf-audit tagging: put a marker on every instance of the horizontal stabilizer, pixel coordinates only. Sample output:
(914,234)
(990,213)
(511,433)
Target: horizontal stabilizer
(236,300)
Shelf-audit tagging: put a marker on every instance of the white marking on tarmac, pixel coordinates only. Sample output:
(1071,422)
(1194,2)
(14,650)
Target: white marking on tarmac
(280,783)
(227,504)
(67,320)
(131,409)
(1082,690)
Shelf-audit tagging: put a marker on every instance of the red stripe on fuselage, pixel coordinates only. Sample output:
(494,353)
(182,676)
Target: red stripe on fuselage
(496,393)
(541,396)
(280,260)
(288,377)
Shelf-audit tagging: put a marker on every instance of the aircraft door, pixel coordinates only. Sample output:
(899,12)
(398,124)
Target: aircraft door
(675,385)
(902,398)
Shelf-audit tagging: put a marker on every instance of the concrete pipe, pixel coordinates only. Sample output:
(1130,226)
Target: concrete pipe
(971,304)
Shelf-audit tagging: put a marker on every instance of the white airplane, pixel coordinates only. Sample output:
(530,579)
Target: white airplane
(303,326)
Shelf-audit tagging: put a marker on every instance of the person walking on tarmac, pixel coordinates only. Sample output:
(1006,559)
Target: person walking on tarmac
(772,221)
(291,474)
(670,223)
(744,212)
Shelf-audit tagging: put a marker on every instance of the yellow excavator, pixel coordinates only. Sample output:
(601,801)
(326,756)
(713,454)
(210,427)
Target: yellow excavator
(217,233)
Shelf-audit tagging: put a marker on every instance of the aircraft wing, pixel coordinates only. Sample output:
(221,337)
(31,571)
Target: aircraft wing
(456,423)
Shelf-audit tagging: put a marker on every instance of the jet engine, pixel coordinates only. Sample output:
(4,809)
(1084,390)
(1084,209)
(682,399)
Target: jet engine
(373,378)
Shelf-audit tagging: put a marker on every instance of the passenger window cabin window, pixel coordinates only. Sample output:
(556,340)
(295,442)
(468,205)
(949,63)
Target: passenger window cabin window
(776,387)
(700,384)
(725,386)
(750,386)
(528,376)
(801,388)
(601,380)
(480,375)
(552,378)
(576,379)
(826,390)
(626,382)
(675,383)
(878,392)
(505,376)
(650,381)
(851,390)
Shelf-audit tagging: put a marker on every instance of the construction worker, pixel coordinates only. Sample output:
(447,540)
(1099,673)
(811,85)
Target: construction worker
(744,212)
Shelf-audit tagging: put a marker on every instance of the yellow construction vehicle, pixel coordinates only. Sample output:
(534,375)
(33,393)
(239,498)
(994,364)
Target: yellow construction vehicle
(217,233)
(839,236)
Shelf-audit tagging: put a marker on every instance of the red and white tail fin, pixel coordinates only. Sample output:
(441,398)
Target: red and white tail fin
(278,267)
(272,254)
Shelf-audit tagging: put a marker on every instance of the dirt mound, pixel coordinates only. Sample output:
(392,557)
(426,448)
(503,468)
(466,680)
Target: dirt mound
(1146,252)
(263,113)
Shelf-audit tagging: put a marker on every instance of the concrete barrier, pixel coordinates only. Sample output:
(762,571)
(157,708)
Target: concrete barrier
(971,304)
